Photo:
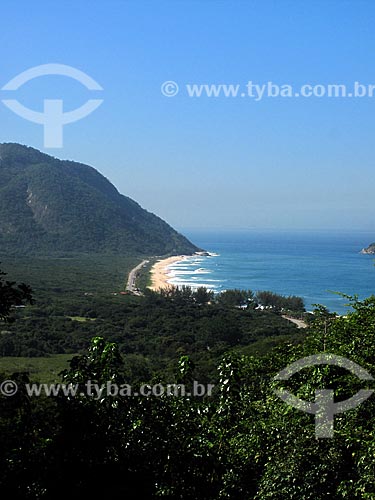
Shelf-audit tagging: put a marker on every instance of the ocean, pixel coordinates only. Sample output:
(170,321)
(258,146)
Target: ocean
(310,264)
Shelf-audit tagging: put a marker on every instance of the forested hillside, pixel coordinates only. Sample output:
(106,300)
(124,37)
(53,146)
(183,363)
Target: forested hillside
(48,206)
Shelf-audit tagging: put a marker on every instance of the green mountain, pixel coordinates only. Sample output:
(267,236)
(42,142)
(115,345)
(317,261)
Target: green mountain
(49,205)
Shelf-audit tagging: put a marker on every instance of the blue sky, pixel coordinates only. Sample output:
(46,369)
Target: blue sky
(208,162)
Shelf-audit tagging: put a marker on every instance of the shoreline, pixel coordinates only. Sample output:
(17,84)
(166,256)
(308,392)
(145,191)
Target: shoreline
(160,271)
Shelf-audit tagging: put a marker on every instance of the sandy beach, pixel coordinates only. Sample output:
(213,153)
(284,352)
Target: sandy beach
(159,271)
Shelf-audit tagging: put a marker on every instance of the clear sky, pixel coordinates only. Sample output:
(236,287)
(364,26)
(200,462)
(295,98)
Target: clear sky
(208,162)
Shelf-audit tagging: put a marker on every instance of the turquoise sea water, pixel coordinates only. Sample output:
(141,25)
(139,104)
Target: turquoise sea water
(304,263)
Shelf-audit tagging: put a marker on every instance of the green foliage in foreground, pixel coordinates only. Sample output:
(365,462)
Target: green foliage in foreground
(242,443)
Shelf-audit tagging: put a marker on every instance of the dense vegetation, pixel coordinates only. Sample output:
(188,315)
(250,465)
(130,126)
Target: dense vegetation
(12,295)
(151,331)
(242,443)
(48,205)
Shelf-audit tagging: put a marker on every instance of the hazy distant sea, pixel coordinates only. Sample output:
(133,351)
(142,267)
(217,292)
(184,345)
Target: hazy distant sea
(304,263)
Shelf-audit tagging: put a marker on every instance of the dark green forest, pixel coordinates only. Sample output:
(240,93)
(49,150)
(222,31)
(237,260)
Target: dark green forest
(242,442)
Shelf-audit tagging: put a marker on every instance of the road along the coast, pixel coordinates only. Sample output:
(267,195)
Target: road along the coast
(130,286)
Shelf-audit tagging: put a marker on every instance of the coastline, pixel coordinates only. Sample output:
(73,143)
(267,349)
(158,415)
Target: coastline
(160,271)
